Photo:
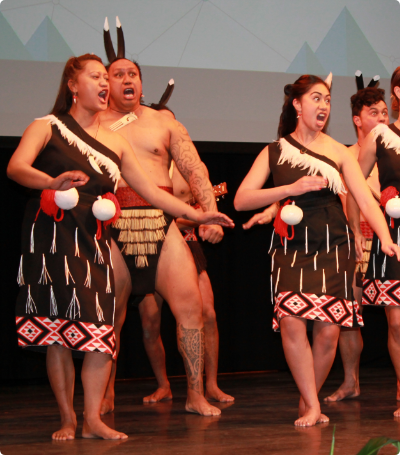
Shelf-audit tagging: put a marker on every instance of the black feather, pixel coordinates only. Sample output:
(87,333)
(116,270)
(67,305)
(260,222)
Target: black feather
(121,43)
(109,46)
(166,95)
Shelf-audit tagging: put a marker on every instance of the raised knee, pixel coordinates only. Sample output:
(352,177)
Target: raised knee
(209,316)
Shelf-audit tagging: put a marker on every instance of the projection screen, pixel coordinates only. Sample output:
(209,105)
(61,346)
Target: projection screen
(230,59)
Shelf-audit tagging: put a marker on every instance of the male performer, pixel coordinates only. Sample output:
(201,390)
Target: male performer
(156,140)
(368,109)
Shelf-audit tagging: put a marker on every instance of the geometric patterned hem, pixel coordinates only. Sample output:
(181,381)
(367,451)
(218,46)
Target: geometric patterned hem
(72,334)
(328,309)
(378,293)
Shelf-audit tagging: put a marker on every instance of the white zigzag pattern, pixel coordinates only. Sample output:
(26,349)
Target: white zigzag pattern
(292,155)
(85,149)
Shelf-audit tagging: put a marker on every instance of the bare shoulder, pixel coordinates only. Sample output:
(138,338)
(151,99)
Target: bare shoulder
(113,140)
(40,127)
(354,149)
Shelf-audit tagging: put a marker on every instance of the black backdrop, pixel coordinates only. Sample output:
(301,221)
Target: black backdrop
(239,268)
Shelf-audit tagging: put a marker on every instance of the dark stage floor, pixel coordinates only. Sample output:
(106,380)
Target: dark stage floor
(260,421)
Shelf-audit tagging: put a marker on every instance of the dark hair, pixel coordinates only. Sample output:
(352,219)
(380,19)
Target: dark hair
(161,107)
(288,119)
(395,82)
(72,68)
(132,61)
(366,97)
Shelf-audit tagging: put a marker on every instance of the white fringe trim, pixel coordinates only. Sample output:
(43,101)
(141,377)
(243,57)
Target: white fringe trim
(272,290)
(323,282)
(20,277)
(98,255)
(301,280)
(348,239)
(85,149)
(377,246)
(272,261)
(373,264)
(115,302)
(53,247)
(315,261)
(389,138)
(30,303)
(109,249)
(67,271)
(77,253)
(285,246)
(337,259)
(306,239)
(292,155)
(108,287)
(44,276)
(74,308)
(272,240)
(53,303)
(398,236)
(345,284)
(32,243)
(88,281)
(327,238)
(277,280)
(99,310)
(294,258)
(384,267)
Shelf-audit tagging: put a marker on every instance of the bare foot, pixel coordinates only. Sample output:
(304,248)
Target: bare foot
(161,394)
(98,430)
(67,431)
(310,418)
(198,404)
(343,393)
(107,406)
(323,419)
(216,395)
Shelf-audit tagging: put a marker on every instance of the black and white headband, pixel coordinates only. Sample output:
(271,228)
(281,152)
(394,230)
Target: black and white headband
(108,42)
(360,81)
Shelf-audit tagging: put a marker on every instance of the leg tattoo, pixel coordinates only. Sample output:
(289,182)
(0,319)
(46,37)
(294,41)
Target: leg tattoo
(191,347)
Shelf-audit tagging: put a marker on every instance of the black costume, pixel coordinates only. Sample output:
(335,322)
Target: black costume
(381,286)
(312,274)
(66,274)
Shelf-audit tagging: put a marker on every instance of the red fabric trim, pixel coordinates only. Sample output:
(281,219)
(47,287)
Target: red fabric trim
(189,235)
(127,197)
(366,230)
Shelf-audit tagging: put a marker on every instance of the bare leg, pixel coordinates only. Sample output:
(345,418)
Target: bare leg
(325,338)
(150,314)
(177,283)
(351,345)
(123,286)
(96,371)
(393,317)
(61,372)
(213,393)
(299,357)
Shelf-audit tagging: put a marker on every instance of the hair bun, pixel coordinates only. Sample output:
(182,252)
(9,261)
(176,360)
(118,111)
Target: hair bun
(288,89)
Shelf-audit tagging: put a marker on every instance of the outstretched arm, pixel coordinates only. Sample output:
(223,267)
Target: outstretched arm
(191,167)
(360,197)
(20,169)
(264,217)
(136,178)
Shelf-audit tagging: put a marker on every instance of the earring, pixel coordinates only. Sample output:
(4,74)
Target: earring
(142,96)
(299,114)
(74,97)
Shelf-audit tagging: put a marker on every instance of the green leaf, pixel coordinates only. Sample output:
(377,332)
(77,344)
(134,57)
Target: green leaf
(374,445)
(333,440)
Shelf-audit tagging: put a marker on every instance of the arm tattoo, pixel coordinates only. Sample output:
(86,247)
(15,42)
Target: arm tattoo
(191,346)
(192,169)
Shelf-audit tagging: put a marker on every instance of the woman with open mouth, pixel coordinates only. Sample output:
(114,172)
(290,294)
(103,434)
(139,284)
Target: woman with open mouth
(66,275)
(312,247)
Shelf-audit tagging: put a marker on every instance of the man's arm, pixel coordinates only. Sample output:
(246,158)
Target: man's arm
(191,167)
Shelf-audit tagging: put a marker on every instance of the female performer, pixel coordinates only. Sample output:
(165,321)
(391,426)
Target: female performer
(382,280)
(67,296)
(312,269)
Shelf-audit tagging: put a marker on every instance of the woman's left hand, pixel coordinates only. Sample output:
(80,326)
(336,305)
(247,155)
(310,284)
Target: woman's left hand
(215,218)
(391,250)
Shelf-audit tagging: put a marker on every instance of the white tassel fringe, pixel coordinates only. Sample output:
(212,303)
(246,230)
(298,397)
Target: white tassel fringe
(108,288)
(74,308)
(67,271)
(45,273)
(53,303)
(32,243)
(384,267)
(76,243)
(20,277)
(99,310)
(53,248)
(337,259)
(315,261)
(323,282)
(98,255)
(327,238)
(88,281)
(272,240)
(30,303)
(272,261)
(294,258)
(277,280)
(109,249)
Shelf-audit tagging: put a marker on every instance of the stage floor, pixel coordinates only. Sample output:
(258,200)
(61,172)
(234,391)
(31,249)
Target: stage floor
(259,422)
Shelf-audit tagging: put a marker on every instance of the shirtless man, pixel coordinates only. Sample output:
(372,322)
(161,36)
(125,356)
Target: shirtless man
(368,109)
(157,140)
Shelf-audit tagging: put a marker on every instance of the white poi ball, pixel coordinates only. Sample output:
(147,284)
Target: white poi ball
(292,214)
(103,209)
(393,207)
(67,199)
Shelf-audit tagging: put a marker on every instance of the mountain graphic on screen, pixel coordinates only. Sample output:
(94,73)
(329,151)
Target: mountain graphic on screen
(345,49)
(306,62)
(47,44)
(11,46)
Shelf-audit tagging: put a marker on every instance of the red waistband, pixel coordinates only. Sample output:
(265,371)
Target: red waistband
(127,197)
(366,230)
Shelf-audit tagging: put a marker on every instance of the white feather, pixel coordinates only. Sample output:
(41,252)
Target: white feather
(85,149)
(106,26)
(389,138)
(291,154)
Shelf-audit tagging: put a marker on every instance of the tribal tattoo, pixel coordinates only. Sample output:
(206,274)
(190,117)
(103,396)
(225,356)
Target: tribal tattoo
(191,346)
(191,167)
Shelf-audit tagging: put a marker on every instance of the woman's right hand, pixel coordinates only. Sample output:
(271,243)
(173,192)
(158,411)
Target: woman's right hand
(361,245)
(308,184)
(69,179)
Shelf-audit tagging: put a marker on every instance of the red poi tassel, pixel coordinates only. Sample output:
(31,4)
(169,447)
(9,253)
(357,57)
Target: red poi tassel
(110,196)
(48,205)
(386,195)
(281,227)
